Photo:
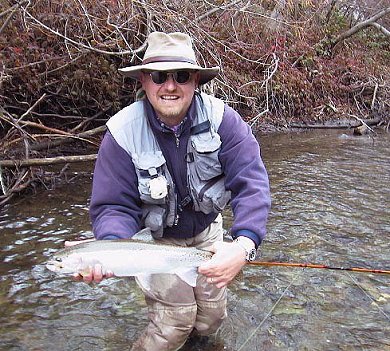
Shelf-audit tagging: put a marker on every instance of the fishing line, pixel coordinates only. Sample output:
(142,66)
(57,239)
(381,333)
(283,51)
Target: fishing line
(370,298)
(269,313)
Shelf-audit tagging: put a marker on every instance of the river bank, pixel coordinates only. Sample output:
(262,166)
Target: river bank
(45,164)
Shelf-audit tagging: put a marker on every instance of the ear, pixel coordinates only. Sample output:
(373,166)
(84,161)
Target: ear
(143,80)
(197,78)
(141,77)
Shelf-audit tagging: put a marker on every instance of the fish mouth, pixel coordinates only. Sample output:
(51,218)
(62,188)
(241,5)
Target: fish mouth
(54,266)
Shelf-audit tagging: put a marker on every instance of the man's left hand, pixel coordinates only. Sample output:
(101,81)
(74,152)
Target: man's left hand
(225,264)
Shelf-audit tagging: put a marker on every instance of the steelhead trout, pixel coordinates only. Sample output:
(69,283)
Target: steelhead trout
(130,257)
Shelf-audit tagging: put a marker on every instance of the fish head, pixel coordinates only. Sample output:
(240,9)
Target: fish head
(65,264)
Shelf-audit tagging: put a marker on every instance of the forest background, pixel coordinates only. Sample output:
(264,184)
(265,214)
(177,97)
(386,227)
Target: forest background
(284,64)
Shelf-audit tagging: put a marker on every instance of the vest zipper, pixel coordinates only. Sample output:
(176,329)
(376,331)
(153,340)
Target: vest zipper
(176,220)
(177,140)
(177,216)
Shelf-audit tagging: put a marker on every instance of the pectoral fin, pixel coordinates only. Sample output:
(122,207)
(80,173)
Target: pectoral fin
(188,275)
(144,280)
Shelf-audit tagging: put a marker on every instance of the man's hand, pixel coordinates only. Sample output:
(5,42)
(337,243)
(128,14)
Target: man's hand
(225,264)
(94,274)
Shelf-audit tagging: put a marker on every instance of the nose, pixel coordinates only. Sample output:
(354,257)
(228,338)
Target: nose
(170,83)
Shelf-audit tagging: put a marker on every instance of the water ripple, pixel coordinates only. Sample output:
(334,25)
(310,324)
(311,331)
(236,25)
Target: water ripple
(330,199)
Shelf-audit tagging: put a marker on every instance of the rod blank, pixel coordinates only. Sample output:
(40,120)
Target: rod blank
(318,266)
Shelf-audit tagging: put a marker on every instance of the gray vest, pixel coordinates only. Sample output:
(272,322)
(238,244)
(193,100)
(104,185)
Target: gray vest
(131,130)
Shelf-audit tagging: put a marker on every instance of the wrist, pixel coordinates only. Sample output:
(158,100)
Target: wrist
(248,246)
(246,233)
(109,237)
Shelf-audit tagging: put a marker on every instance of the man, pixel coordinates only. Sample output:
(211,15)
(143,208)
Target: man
(171,162)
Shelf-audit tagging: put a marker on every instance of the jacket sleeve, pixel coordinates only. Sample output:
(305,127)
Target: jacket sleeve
(246,177)
(115,205)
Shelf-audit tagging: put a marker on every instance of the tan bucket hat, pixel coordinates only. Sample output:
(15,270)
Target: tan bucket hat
(169,52)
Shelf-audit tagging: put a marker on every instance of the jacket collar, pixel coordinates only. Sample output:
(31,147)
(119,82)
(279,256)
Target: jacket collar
(156,123)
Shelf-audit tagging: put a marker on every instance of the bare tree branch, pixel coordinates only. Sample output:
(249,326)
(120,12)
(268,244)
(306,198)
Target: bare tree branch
(47,161)
(361,26)
(216,9)
(88,47)
(381,28)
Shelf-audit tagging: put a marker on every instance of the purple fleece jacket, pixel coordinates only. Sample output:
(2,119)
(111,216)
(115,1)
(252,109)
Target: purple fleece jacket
(115,207)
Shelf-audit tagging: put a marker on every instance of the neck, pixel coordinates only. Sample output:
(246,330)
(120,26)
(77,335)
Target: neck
(170,120)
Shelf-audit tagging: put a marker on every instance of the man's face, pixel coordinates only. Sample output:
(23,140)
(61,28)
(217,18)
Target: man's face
(169,98)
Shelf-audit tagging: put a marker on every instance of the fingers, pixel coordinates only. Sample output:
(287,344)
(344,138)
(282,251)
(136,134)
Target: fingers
(109,274)
(97,273)
(213,269)
(227,262)
(93,274)
(219,282)
(217,275)
(77,277)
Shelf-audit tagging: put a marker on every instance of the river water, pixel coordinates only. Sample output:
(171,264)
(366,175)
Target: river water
(331,205)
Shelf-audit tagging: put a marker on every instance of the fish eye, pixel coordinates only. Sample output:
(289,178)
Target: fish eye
(58,259)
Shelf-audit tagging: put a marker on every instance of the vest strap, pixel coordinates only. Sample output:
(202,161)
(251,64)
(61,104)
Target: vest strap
(190,157)
(185,202)
(200,128)
(209,185)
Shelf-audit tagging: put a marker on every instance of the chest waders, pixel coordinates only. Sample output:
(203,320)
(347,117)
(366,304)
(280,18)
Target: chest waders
(131,130)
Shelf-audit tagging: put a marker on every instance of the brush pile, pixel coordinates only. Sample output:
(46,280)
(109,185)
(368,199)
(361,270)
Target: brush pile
(282,62)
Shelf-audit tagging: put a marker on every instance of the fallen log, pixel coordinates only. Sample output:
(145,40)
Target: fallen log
(336,125)
(66,139)
(46,161)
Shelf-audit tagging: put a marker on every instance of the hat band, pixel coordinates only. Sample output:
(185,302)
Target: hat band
(168,59)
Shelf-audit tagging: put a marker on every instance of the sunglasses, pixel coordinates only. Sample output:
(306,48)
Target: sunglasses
(180,77)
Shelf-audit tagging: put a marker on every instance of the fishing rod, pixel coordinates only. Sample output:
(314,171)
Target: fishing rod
(318,266)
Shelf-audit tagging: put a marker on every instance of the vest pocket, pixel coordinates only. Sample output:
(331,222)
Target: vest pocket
(153,218)
(152,183)
(206,147)
(212,196)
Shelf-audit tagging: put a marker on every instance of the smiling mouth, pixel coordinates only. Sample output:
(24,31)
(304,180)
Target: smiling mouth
(169,97)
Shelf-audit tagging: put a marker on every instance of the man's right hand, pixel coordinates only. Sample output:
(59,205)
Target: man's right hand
(94,274)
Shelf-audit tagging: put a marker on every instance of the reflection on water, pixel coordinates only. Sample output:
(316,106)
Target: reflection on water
(330,205)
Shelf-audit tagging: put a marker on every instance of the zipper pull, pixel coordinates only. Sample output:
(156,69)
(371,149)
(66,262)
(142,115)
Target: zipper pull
(177,140)
(176,219)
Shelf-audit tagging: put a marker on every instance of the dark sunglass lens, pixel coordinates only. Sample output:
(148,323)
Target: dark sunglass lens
(159,77)
(182,76)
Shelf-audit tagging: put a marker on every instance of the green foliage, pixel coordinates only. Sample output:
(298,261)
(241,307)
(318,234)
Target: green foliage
(375,40)
(336,23)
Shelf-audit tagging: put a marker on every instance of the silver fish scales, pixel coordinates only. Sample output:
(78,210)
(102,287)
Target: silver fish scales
(130,257)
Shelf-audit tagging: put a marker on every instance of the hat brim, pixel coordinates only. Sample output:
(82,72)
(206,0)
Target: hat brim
(206,74)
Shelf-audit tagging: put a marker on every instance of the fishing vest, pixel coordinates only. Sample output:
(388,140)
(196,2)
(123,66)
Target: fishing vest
(206,182)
